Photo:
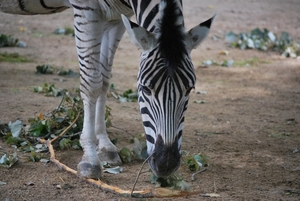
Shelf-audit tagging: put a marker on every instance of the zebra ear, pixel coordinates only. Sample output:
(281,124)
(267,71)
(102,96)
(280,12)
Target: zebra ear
(197,34)
(139,35)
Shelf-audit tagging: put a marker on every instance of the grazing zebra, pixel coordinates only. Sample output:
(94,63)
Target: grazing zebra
(165,78)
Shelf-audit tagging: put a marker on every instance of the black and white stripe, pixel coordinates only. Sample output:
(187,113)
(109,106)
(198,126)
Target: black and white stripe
(165,78)
(166,73)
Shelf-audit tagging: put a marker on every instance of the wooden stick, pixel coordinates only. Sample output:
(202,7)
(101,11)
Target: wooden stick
(150,193)
(139,173)
(66,130)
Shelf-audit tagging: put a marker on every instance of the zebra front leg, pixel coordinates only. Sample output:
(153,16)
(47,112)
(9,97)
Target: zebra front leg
(89,166)
(106,150)
(89,27)
(112,35)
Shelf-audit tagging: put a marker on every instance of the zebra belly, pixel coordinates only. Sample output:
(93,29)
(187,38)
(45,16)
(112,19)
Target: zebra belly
(109,10)
(33,7)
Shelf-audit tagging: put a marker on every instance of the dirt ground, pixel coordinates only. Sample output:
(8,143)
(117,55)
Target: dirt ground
(249,126)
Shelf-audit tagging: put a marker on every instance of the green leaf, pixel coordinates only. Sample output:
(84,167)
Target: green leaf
(125,155)
(7,160)
(139,149)
(64,143)
(172,181)
(44,69)
(16,128)
(2,183)
(183,185)
(195,162)
(64,31)
(263,39)
(13,58)
(7,41)
(34,156)
(38,128)
(114,170)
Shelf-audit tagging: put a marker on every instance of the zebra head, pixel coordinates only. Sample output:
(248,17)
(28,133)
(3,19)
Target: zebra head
(165,79)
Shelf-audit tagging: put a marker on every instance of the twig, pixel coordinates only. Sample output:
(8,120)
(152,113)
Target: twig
(73,135)
(150,193)
(112,126)
(193,175)
(66,130)
(60,104)
(139,173)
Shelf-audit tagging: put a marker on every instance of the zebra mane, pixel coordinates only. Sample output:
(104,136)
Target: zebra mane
(170,30)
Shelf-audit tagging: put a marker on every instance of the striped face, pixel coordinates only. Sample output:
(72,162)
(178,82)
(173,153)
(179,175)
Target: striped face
(166,76)
(163,89)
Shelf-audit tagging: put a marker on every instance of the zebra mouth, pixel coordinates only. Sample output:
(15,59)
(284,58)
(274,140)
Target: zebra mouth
(165,159)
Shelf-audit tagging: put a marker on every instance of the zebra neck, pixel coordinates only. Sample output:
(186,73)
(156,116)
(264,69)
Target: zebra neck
(146,12)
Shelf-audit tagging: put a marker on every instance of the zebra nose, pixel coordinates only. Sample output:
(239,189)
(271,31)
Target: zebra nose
(165,159)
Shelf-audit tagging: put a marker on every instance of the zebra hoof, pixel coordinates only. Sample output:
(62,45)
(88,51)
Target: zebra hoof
(111,157)
(88,170)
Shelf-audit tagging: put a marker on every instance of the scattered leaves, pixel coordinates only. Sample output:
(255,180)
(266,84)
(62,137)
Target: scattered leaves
(16,128)
(195,162)
(114,170)
(263,39)
(7,160)
(172,181)
(224,63)
(8,41)
(13,58)
(49,69)
(210,195)
(35,156)
(29,183)
(125,155)
(139,149)
(49,90)
(127,96)
(200,101)
(65,31)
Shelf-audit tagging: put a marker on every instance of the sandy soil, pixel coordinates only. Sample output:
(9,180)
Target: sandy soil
(249,125)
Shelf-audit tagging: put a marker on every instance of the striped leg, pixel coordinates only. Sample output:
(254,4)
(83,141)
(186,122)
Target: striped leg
(96,41)
(110,41)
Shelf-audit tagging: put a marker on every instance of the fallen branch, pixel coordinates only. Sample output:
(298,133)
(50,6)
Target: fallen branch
(150,193)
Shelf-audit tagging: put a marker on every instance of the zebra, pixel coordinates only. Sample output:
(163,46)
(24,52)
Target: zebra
(165,77)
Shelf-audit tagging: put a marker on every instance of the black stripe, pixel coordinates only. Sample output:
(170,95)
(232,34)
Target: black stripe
(207,23)
(150,17)
(107,3)
(143,6)
(22,7)
(77,15)
(21,4)
(78,29)
(145,110)
(149,125)
(82,8)
(50,8)
(126,4)
(84,40)
(149,138)
(82,78)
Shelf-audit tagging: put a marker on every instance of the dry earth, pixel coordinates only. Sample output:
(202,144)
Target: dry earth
(249,125)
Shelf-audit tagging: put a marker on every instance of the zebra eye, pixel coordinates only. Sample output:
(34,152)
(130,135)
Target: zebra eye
(188,91)
(146,90)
